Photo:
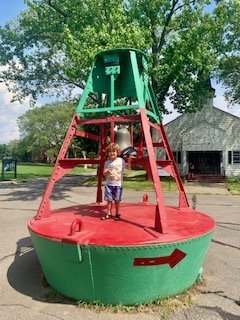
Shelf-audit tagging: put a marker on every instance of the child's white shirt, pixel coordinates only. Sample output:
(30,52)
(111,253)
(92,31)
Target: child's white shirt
(115,177)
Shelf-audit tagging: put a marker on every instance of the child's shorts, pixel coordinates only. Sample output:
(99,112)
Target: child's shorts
(113,193)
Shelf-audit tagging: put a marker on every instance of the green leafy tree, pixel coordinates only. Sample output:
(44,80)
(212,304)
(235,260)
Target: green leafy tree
(42,130)
(3,151)
(52,44)
(50,47)
(21,151)
(12,149)
(229,67)
(230,76)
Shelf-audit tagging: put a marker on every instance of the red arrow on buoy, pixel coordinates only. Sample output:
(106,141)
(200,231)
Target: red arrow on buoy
(172,260)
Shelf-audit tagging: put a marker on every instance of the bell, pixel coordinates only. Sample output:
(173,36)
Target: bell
(123,138)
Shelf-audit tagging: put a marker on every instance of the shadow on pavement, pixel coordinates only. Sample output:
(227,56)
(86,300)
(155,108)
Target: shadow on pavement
(31,190)
(223,314)
(25,275)
(225,244)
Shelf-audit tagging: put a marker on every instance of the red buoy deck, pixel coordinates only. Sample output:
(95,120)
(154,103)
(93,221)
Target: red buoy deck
(82,224)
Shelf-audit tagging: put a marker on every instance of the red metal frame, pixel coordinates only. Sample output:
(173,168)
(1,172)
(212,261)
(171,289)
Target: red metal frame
(64,165)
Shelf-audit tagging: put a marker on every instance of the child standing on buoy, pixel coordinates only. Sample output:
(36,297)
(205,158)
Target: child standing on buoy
(113,171)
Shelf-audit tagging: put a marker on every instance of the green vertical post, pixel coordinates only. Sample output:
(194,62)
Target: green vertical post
(112,91)
(137,80)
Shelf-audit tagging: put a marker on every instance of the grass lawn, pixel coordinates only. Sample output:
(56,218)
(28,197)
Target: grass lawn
(28,171)
(233,185)
(133,179)
(136,179)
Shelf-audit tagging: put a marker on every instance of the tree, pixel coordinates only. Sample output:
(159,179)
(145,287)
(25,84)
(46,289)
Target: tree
(16,150)
(42,130)
(229,71)
(230,76)
(3,151)
(50,47)
(13,149)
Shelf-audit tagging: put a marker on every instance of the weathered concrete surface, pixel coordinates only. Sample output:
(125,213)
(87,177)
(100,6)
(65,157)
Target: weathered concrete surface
(23,295)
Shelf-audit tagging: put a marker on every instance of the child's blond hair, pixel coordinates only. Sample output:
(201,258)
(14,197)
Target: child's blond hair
(113,147)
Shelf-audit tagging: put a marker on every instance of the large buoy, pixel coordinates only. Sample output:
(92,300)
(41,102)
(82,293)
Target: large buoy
(155,250)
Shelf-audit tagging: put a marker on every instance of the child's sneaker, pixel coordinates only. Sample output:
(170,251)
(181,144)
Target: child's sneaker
(107,216)
(117,217)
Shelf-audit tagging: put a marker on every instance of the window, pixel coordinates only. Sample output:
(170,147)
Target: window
(236,156)
(233,157)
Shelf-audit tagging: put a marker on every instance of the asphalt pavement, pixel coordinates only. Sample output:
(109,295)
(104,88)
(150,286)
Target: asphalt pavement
(24,295)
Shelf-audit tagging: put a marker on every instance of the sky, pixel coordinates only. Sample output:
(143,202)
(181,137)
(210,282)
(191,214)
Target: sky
(9,9)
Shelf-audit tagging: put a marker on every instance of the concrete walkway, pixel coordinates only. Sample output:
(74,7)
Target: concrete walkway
(24,295)
(205,188)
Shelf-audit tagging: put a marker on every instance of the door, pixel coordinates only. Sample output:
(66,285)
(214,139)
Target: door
(205,162)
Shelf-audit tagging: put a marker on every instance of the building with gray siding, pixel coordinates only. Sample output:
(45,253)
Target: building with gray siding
(209,139)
